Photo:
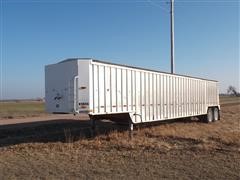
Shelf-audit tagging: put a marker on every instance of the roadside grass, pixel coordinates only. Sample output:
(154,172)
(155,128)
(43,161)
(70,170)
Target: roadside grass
(229,100)
(16,109)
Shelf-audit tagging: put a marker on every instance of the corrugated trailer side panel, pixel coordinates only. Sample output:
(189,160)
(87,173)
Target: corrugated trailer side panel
(211,93)
(149,95)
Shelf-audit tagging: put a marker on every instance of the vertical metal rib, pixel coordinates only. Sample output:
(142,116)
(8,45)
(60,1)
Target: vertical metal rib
(198,100)
(194,97)
(179,100)
(187,96)
(149,94)
(157,100)
(135,82)
(98,89)
(164,98)
(127,88)
(141,92)
(181,96)
(167,94)
(121,89)
(104,80)
(193,100)
(172,98)
(160,96)
(93,90)
(132,90)
(110,84)
(153,96)
(116,90)
(192,91)
(145,96)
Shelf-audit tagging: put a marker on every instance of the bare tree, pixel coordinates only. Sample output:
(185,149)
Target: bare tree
(232,91)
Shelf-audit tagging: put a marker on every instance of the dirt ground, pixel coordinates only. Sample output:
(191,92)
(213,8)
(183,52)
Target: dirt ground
(61,148)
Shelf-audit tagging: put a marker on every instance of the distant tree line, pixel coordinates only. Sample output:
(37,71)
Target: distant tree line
(232,91)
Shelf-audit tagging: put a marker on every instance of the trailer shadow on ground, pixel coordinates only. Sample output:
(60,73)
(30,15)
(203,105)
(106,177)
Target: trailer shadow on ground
(65,130)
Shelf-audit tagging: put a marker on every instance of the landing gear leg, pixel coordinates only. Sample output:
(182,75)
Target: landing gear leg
(130,129)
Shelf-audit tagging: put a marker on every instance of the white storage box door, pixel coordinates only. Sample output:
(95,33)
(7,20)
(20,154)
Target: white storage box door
(59,86)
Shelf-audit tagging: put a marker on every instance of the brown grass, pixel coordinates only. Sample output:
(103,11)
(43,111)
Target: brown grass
(16,109)
(181,149)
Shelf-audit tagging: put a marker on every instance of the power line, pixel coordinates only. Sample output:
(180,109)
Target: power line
(157,5)
(118,1)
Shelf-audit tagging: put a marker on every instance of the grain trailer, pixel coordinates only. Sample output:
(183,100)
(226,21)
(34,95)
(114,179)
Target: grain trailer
(112,91)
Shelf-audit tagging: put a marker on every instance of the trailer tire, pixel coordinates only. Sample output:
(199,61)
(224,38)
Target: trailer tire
(216,116)
(209,117)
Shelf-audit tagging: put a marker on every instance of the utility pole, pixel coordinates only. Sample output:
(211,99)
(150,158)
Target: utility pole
(172,36)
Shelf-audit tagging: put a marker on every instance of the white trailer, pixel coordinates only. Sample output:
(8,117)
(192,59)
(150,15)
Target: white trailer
(115,91)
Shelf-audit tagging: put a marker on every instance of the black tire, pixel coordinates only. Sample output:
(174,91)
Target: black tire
(216,115)
(209,117)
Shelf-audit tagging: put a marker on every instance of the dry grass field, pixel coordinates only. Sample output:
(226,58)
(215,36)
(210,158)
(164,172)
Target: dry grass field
(21,109)
(182,149)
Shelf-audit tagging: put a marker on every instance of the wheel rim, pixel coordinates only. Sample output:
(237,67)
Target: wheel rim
(210,115)
(216,114)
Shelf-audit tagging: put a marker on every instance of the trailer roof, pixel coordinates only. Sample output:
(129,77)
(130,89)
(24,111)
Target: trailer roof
(134,67)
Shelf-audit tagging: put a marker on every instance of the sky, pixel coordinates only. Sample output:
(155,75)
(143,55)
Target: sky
(35,33)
